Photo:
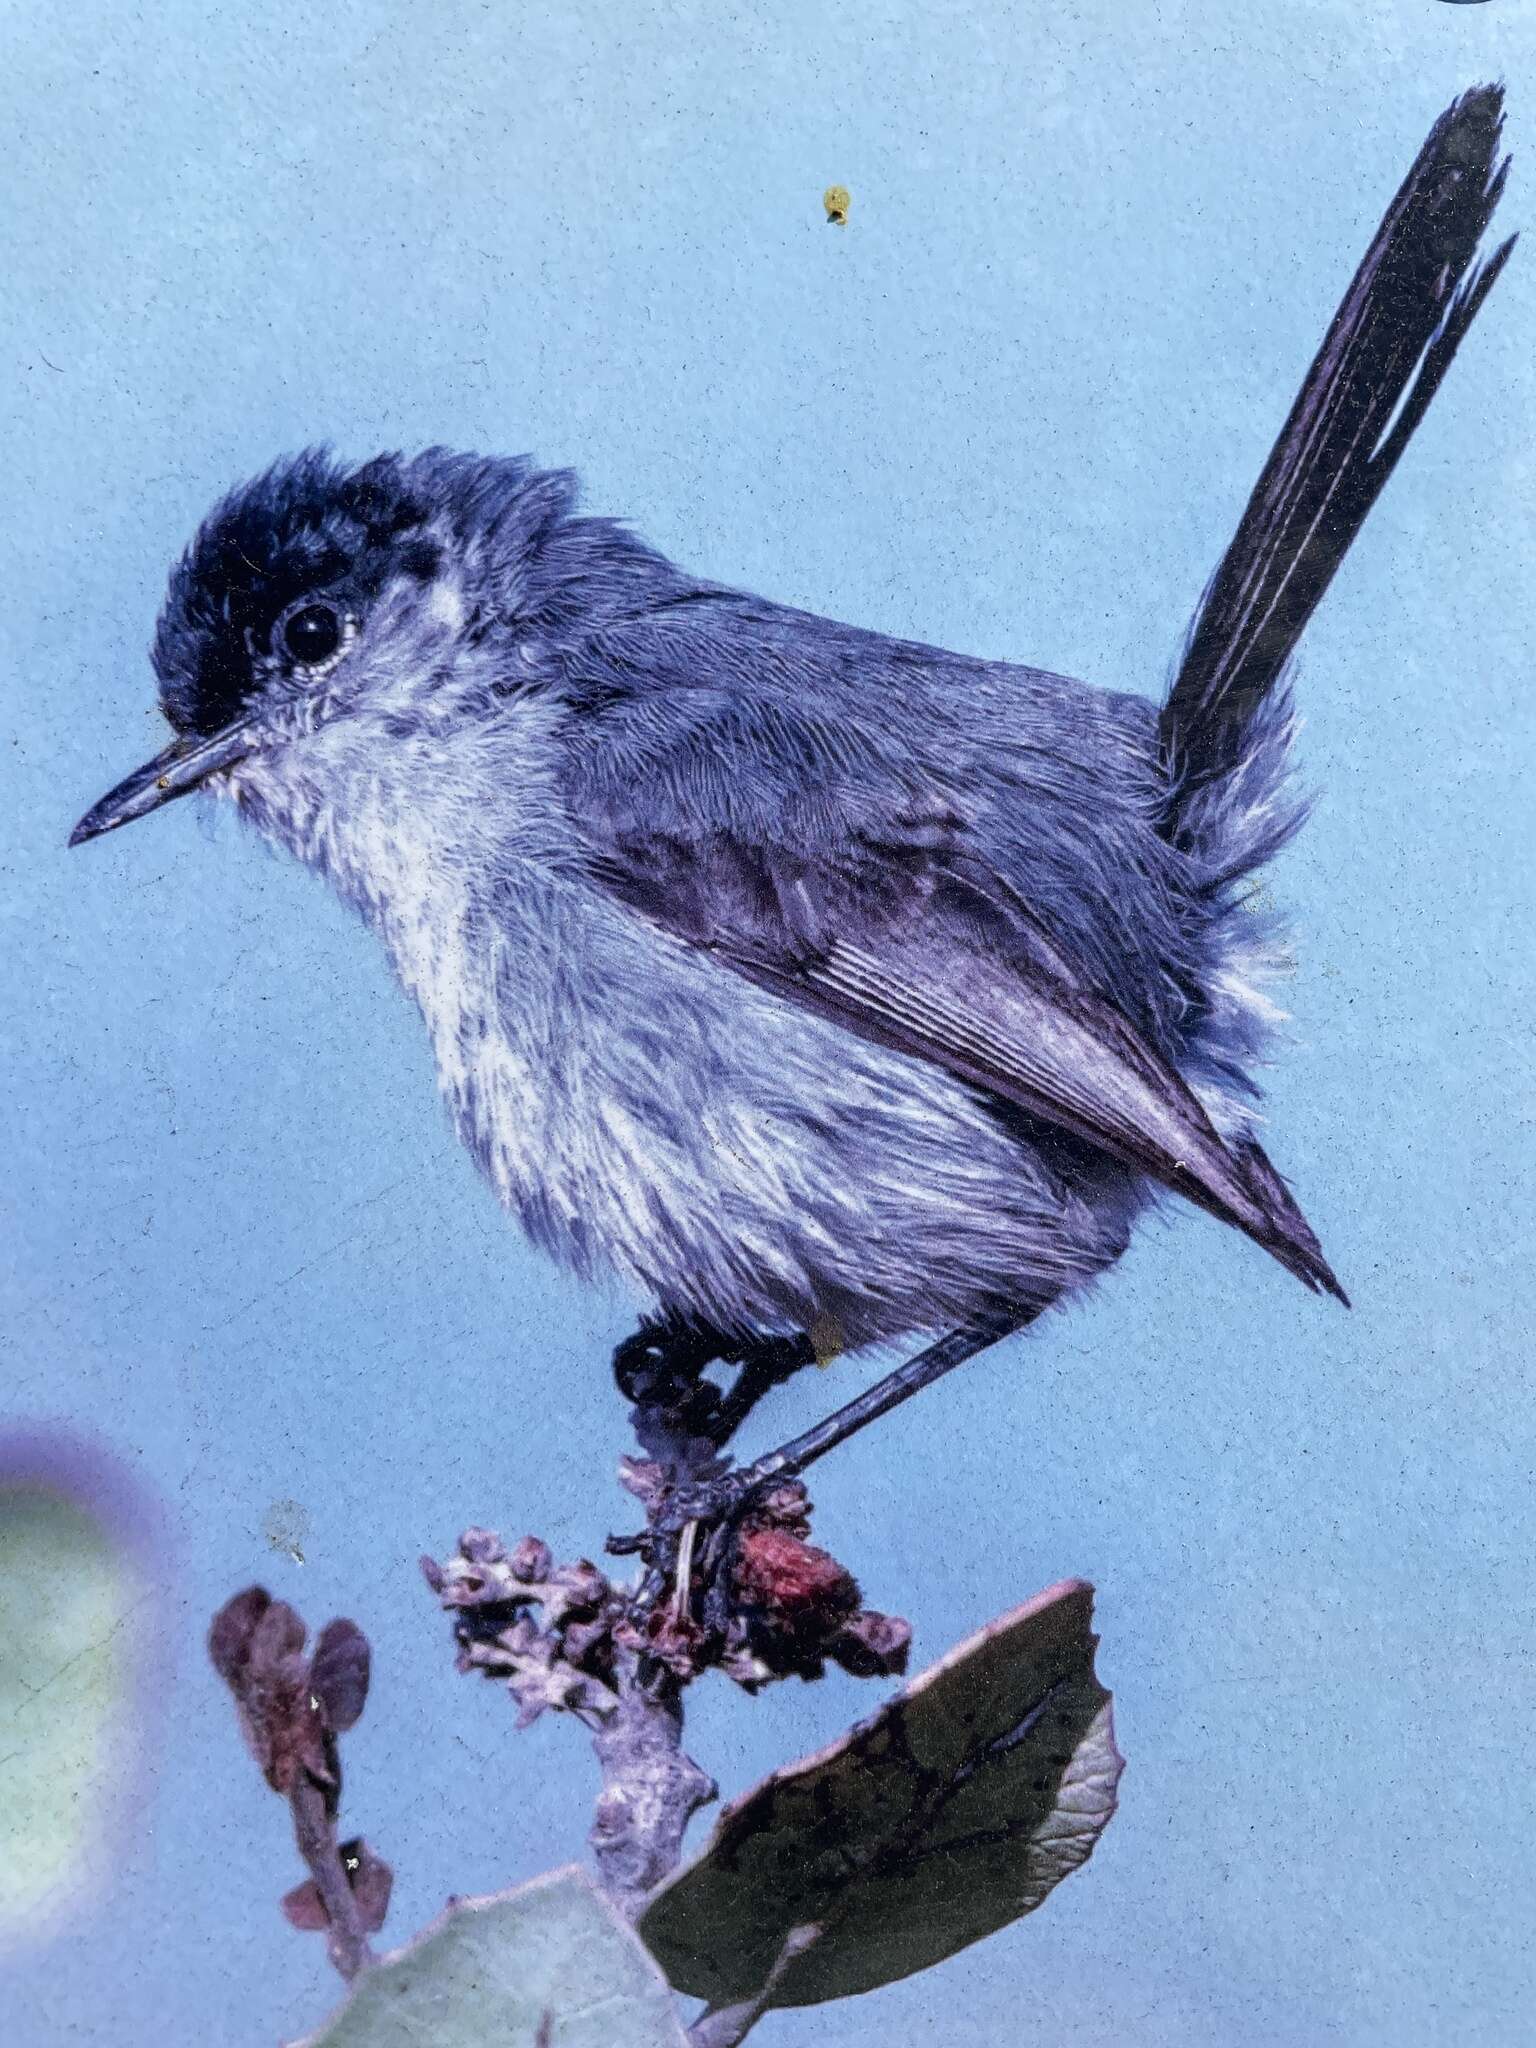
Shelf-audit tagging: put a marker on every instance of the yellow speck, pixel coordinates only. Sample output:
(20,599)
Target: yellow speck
(837,202)
(827,1339)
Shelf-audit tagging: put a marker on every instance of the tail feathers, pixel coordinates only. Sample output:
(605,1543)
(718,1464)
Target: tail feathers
(1391,342)
(1293,1242)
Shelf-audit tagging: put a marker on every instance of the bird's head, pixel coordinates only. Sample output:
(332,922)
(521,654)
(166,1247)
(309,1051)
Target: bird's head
(398,592)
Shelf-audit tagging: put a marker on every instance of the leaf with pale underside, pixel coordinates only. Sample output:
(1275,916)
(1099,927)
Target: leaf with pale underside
(75,1621)
(550,1965)
(951,1812)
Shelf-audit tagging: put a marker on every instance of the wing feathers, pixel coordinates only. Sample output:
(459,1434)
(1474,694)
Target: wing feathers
(1060,1056)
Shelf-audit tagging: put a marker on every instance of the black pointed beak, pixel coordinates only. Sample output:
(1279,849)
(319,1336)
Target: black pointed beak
(185,763)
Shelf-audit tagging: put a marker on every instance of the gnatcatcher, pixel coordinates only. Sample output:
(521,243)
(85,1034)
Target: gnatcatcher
(814,981)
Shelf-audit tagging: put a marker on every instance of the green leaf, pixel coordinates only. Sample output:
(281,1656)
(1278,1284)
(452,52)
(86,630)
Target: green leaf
(69,1599)
(550,1965)
(954,1810)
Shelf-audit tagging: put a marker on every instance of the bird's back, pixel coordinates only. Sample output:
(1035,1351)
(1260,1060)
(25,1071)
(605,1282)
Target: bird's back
(730,716)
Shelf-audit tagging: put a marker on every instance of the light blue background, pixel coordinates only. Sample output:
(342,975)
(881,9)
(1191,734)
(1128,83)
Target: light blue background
(1013,408)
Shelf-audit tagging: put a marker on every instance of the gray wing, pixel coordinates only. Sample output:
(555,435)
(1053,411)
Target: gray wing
(882,911)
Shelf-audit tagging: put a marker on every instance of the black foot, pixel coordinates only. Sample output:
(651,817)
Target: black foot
(682,1419)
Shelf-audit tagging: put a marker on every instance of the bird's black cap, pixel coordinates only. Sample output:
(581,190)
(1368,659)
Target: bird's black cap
(306,524)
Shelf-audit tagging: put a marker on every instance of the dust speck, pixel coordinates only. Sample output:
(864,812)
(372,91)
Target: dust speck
(286,1528)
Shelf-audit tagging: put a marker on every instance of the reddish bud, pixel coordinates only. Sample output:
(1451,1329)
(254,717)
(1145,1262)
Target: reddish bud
(793,1581)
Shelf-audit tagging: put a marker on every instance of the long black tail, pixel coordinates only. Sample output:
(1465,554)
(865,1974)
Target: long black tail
(1391,342)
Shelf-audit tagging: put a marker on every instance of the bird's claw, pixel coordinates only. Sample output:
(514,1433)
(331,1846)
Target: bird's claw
(716,1502)
(688,1544)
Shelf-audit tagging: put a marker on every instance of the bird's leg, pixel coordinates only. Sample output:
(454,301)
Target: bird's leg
(763,1364)
(683,1421)
(722,1498)
(697,1518)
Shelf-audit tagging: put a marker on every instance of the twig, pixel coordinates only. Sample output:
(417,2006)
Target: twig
(651,1790)
(293,1706)
(758,1603)
(315,1832)
(724,2025)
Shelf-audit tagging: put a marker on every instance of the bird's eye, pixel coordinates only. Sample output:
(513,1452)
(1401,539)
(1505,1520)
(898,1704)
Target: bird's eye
(313,635)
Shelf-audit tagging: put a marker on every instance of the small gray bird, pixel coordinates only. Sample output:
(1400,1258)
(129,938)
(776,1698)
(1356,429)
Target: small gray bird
(812,981)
